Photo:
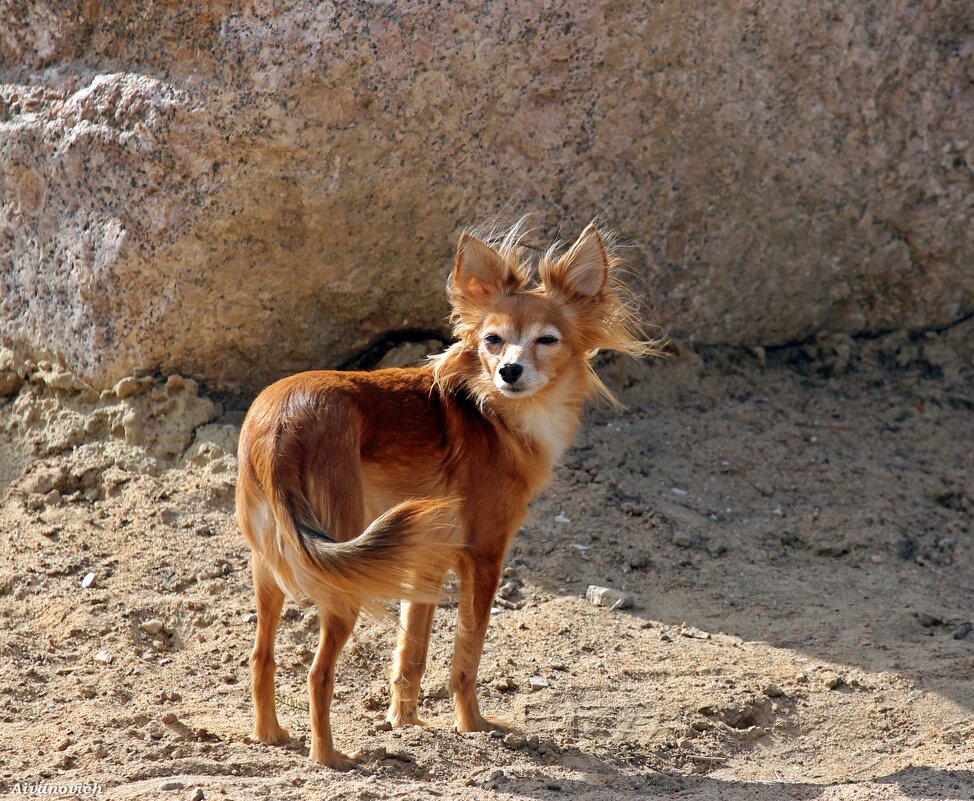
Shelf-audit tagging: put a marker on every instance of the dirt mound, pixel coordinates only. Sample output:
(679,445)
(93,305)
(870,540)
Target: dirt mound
(794,528)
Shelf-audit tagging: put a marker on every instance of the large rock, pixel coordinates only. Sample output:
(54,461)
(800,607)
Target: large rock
(237,191)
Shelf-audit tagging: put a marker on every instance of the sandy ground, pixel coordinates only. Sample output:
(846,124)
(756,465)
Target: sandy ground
(794,529)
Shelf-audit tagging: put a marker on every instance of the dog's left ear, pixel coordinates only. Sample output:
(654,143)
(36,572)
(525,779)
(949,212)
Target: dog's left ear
(582,271)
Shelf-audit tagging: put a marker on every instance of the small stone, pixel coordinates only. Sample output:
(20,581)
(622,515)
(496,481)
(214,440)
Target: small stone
(831,680)
(53,498)
(503,684)
(166,786)
(384,725)
(87,581)
(63,745)
(515,741)
(197,795)
(606,596)
(87,692)
(963,630)
(773,691)
(682,539)
(693,632)
(152,626)
(538,682)
(127,386)
(664,637)
(104,657)
(560,518)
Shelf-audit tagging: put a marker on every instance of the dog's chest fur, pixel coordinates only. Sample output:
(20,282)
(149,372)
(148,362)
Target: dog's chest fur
(549,425)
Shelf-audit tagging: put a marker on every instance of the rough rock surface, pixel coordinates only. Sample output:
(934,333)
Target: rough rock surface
(239,191)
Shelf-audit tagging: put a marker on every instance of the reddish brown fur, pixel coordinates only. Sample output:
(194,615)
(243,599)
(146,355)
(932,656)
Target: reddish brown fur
(438,458)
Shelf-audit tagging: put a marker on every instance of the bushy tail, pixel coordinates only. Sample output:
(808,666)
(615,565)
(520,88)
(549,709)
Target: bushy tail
(404,553)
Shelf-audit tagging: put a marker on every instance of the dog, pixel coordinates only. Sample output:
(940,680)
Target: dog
(442,459)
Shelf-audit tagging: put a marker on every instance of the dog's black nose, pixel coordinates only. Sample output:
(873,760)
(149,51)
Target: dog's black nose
(511,373)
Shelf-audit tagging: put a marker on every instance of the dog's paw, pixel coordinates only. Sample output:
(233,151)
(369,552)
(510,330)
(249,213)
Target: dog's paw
(400,717)
(272,735)
(482,723)
(336,760)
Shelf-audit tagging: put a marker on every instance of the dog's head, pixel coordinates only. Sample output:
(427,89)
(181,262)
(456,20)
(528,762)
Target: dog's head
(518,341)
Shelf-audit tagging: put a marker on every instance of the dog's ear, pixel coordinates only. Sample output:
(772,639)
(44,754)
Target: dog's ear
(582,271)
(480,271)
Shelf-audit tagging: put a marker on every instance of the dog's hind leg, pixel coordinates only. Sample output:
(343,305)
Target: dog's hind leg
(270,599)
(337,623)
(416,621)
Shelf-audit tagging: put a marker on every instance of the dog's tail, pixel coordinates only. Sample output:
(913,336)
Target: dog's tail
(404,553)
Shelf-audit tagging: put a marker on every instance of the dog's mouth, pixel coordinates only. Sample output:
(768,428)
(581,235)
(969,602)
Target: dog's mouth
(516,390)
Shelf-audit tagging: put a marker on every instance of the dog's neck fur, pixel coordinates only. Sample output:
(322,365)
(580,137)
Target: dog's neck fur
(547,423)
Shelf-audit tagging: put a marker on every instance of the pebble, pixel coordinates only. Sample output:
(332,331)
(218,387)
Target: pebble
(87,581)
(152,626)
(606,596)
(538,682)
(562,519)
(383,725)
(104,657)
(127,386)
(830,679)
(693,632)
(165,786)
(963,630)
(682,539)
(503,684)
(515,741)
(197,795)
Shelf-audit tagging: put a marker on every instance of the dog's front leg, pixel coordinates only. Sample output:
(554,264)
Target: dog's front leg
(335,629)
(479,576)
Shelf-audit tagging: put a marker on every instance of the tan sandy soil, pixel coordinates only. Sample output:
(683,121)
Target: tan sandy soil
(796,537)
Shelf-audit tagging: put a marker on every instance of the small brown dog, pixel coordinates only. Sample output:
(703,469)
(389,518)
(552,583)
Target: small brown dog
(442,460)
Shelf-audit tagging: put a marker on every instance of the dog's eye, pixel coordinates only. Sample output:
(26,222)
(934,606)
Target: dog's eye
(547,340)
(493,339)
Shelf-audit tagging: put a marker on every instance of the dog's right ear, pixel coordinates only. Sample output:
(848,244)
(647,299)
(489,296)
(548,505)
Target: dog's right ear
(480,272)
